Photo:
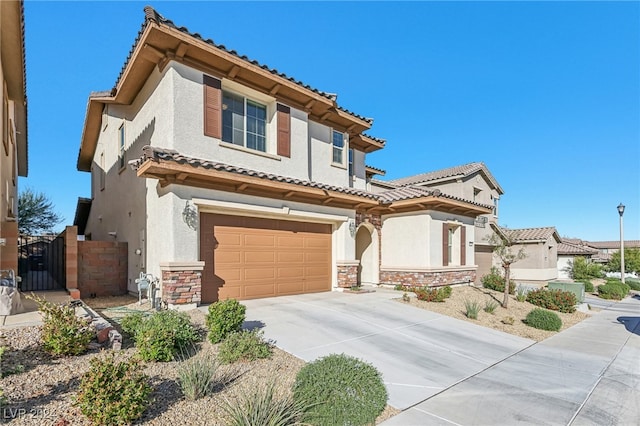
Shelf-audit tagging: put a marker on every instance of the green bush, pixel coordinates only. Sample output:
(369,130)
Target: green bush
(580,269)
(556,300)
(63,332)
(543,320)
(495,281)
(633,284)
(263,407)
(588,286)
(342,390)
(160,336)
(131,322)
(613,289)
(224,317)
(113,392)
(433,294)
(471,309)
(244,345)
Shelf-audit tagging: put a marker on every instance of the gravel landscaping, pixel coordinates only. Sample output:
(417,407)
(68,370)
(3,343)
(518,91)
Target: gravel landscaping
(40,389)
(454,306)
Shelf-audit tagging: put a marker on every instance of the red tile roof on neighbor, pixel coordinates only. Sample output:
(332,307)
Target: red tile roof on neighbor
(531,234)
(613,244)
(568,248)
(451,172)
(151,15)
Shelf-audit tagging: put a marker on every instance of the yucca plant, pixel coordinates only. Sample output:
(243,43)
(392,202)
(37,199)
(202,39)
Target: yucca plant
(490,306)
(198,376)
(264,408)
(472,309)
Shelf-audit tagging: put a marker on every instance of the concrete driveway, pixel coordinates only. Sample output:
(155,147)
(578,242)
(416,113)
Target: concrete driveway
(419,353)
(588,374)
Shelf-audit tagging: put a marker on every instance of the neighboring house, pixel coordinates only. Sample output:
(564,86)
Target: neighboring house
(607,248)
(246,183)
(13,154)
(472,182)
(541,248)
(568,250)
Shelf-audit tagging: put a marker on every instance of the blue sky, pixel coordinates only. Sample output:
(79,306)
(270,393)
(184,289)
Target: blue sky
(546,94)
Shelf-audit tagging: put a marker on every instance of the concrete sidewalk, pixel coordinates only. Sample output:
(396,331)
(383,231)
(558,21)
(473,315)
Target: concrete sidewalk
(31,316)
(419,353)
(586,375)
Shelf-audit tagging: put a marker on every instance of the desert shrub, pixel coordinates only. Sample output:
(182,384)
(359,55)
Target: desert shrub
(580,269)
(224,317)
(508,320)
(588,286)
(402,287)
(63,333)
(198,376)
(543,320)
(521,294)
(161,336)
(342,390)
(556,300)
(264,407)
(244,345)
(406,297)
(433,294)
(113,392)
(613,289)
(490,306)
(495,281)
(130,323)
(633,284)
(471,309)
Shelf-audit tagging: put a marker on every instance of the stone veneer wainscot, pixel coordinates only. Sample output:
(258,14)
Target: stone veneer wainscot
(428,278)
(181,286)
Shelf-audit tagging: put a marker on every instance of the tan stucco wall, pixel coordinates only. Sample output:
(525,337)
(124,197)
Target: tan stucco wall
(541,263)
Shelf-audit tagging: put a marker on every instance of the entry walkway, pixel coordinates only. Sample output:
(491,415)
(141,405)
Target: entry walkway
(586,375)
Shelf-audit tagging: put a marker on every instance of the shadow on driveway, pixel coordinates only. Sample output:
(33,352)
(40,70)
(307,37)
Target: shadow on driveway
(632,324)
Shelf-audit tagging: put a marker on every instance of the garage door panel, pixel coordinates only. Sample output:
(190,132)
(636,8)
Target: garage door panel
(251,258)
(259,240)
(228,257)
(291,257)
(291,272)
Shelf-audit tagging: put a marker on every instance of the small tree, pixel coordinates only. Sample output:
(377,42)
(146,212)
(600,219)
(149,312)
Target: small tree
(504,250)
(36,213)
(631,260)
(581,269)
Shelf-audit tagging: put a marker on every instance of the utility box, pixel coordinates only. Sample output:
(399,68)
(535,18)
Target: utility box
(575,288)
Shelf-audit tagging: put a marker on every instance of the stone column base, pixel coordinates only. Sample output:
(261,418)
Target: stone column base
(181,286)
(348,273)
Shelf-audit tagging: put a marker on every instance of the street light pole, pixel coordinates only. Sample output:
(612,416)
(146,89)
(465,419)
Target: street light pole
(621,211)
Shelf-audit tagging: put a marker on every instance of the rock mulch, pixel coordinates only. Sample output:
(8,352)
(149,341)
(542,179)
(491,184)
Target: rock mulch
(455,307)
(42,388)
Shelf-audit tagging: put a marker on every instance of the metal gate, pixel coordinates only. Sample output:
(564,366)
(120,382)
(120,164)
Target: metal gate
(41,262)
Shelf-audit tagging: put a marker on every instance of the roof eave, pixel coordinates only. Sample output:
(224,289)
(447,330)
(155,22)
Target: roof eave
(438,203)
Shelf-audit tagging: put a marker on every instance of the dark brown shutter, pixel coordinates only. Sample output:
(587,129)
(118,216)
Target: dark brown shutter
(284,131)
(463,245)
(445,244)
(212,107)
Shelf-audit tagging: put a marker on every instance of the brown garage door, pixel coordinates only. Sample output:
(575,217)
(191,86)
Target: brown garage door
(249,258)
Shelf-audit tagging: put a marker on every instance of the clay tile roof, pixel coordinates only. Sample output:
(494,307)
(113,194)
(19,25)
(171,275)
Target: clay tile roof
(613,244)
(151,15)
(566,247)
(463,170)
(531,234)
(154,153)
(374,170)
(410,192)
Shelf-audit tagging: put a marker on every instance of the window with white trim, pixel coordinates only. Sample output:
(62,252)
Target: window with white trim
(338,147)
(495,206)
(121,147)
(244,122)
(351,168)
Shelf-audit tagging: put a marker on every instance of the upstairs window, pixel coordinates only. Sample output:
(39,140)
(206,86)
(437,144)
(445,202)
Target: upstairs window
(495,206)
(244,122)
(121,146)
(338,147)
(351,169)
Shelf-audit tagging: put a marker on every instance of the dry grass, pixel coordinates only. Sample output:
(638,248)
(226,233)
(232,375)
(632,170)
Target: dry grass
(455,307)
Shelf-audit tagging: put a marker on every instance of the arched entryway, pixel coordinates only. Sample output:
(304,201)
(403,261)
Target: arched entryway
(367,252)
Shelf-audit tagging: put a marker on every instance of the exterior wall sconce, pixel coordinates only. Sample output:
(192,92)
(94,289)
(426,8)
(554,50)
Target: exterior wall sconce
(352,227)
(190,216)
(470,243)
(138,252)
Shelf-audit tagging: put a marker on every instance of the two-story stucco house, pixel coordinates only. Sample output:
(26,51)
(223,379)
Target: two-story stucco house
(13,154)
(541,247)
(472,182)
(228,178)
